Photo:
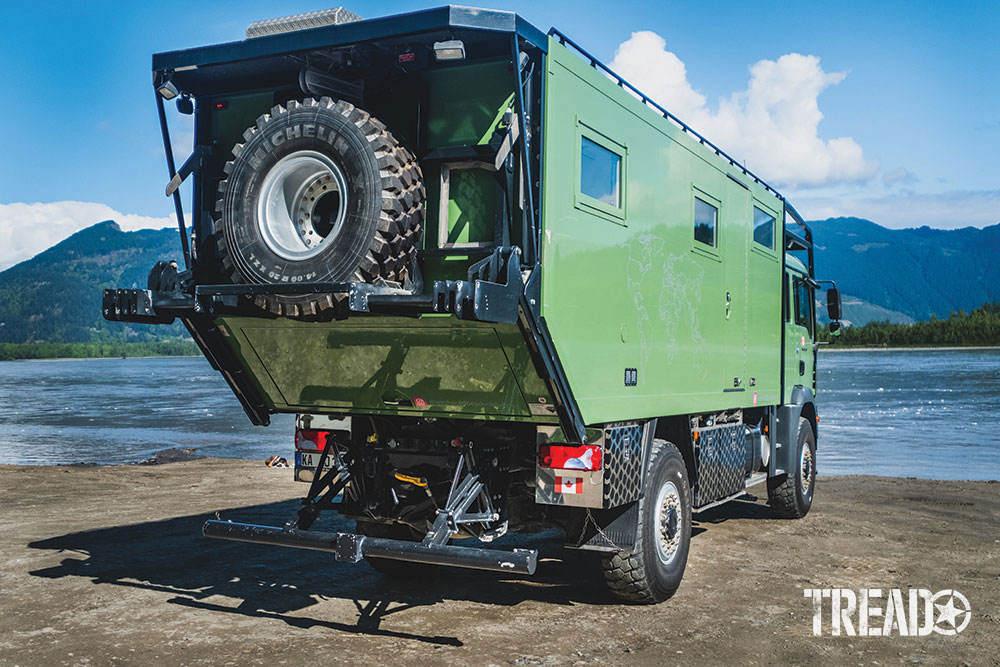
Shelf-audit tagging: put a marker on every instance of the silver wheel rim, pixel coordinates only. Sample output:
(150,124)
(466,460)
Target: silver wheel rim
(302,205)
(806,468)
(670,522)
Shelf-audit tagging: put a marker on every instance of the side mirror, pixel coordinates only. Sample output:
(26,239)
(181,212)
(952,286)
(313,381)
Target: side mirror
(833,306)
(835,328)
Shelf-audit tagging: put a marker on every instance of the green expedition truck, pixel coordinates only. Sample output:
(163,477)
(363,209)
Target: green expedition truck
(501,288)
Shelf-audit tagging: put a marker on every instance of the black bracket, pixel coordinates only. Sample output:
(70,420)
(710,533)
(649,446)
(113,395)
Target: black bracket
(322,491)
(482,296)
(145,306)
(192,165)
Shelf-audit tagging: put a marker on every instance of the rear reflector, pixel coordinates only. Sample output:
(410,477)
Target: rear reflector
(307,440)
(570,457)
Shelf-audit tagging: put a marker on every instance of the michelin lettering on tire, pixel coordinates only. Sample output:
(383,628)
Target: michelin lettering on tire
(334,147)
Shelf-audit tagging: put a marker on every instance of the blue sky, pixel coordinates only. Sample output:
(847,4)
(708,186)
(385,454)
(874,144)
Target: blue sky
(912,89)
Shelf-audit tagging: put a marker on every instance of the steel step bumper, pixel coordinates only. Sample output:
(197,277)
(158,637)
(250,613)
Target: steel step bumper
(351,548)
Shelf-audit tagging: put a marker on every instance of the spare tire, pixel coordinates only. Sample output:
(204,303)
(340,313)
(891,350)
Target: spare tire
(319,192)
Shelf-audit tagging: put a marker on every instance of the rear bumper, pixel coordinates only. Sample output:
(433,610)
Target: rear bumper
(351,548)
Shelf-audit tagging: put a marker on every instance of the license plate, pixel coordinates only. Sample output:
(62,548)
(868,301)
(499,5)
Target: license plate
(311,460)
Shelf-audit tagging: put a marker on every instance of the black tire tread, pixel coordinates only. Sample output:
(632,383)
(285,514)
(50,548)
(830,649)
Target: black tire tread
(625,572)
(400,225)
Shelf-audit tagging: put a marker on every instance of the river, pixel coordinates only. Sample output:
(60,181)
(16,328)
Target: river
(909,413)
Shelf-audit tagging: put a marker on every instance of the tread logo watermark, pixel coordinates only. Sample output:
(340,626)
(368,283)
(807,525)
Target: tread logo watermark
(914,612)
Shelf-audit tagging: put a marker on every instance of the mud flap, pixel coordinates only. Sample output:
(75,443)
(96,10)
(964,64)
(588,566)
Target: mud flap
(609,530)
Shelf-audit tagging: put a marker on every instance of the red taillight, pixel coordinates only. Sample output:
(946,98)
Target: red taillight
(308,440)
(570,457)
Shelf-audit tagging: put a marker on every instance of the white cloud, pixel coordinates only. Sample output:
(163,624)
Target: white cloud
(773,124)
(944,210)
(28,229)
(645,62)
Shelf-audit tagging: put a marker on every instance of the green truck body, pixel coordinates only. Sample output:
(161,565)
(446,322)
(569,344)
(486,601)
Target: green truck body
(598,296)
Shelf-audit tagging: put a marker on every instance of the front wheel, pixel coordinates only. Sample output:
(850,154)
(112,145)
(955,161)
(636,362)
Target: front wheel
(791,495)
(652,570)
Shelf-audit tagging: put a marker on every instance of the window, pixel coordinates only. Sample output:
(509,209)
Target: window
(600,173)
(763,228)
(803,305)
(705,218)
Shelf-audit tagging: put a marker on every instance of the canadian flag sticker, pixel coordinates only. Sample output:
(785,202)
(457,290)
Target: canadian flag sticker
(569,484)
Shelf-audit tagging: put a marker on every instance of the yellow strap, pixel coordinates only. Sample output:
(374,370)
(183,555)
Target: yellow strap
(419,481)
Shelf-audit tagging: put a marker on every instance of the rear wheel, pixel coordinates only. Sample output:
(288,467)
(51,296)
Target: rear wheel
(319,192)
(652,571)
(791,495)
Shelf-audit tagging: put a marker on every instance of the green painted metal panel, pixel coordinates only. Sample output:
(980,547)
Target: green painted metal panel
(763,311)
(241,111)
(471,206)
(628,286)
(435,366)
(465,102)
(464,105)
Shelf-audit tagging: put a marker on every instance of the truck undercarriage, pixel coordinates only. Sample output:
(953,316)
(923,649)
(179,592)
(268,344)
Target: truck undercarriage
(423,478)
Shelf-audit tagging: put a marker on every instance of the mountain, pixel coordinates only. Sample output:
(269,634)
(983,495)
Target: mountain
(56,295)
(907,274)
(900,275)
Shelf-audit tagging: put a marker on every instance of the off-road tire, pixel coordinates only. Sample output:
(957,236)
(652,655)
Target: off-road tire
(641,575)
(388,566)
(790,496)
(384,214)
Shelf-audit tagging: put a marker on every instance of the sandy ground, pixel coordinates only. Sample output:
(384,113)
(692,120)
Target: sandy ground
(106,566)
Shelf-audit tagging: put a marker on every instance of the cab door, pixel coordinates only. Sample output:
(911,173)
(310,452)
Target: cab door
(800,328)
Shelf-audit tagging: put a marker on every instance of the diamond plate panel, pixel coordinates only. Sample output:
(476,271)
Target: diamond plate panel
(622,464)
(721,455)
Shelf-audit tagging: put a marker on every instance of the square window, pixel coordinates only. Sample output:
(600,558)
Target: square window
(600,173)
(705,220)
(763,228)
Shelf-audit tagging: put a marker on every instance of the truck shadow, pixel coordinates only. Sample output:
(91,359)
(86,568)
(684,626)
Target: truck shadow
(170,556)
(734,509)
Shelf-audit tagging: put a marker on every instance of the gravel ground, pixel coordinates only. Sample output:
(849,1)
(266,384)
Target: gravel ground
(106,566)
